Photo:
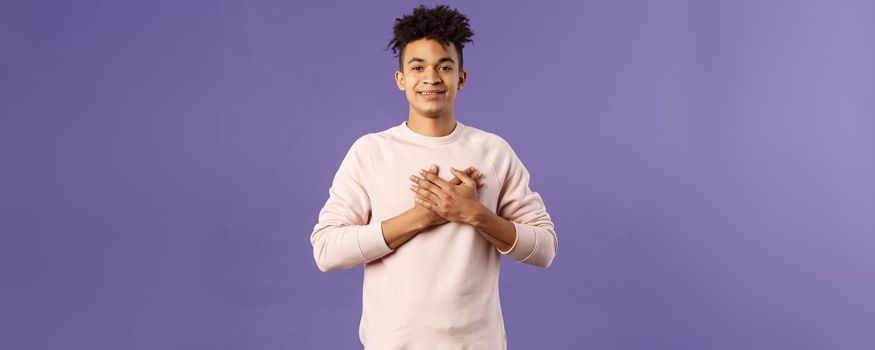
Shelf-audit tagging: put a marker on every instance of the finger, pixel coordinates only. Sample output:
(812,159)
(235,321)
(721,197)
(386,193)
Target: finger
(427,185)
(465,178)
(477,178)
(435,179)
(419,191)
(434,170)
(424,203)
(457,181)
(429,200)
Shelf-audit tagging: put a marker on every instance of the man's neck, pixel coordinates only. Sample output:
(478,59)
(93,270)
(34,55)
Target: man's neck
(434,127)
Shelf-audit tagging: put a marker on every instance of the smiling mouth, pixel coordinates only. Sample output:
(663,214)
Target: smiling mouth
(430,93)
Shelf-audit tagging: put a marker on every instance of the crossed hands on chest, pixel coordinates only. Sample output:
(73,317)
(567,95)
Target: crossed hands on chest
(456,200)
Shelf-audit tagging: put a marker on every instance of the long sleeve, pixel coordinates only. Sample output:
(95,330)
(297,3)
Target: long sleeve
(536,242)
(344,238)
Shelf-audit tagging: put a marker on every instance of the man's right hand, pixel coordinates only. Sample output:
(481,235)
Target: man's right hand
(432,217)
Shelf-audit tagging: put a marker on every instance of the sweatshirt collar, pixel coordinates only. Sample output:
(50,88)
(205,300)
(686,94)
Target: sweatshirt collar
(434,140)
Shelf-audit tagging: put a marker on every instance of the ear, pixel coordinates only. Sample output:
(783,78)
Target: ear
(463,77)
(399,80)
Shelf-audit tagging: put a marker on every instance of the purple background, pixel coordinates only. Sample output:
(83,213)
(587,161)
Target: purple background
(709,167)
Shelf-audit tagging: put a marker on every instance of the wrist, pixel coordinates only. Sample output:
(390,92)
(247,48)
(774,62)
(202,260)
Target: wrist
(478,215)
(424,217)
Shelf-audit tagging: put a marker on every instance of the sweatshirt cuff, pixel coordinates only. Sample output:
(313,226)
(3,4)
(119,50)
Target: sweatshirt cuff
(524,244)
(371,242)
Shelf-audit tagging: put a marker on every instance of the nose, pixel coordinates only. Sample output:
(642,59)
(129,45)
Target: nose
(432,77)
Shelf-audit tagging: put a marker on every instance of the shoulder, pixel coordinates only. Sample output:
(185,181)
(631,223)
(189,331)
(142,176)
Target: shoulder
(496,149)
(365,143)
(490,141)
(371,143)
(366,152)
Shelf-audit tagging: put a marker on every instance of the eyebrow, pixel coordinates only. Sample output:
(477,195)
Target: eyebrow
(441,60)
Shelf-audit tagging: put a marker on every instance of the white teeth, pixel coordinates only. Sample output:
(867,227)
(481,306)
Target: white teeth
(429,93)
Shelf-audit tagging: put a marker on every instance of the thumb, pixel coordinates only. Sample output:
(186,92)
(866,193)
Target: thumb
(467,180)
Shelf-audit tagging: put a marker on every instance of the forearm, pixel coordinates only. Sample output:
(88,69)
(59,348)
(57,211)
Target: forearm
(495,229)
(401,228)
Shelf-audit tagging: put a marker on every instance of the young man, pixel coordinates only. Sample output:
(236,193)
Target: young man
(431,252)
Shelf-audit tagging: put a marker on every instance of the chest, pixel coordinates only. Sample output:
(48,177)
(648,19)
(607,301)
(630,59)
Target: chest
(389,186)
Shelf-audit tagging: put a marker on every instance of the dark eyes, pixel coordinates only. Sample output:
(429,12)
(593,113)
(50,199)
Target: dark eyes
(420,68)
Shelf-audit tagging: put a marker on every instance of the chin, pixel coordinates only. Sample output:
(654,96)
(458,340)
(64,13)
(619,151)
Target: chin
(432,113)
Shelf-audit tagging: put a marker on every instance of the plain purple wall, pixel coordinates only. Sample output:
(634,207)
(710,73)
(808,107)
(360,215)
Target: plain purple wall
(709,166)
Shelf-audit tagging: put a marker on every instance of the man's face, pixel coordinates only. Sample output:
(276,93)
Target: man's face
(428,66)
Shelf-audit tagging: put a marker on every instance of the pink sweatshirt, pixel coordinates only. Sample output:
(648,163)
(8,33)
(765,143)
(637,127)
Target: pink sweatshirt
(439,290)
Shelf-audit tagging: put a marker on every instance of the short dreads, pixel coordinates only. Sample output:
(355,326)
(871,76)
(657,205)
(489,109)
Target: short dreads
(441,23)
